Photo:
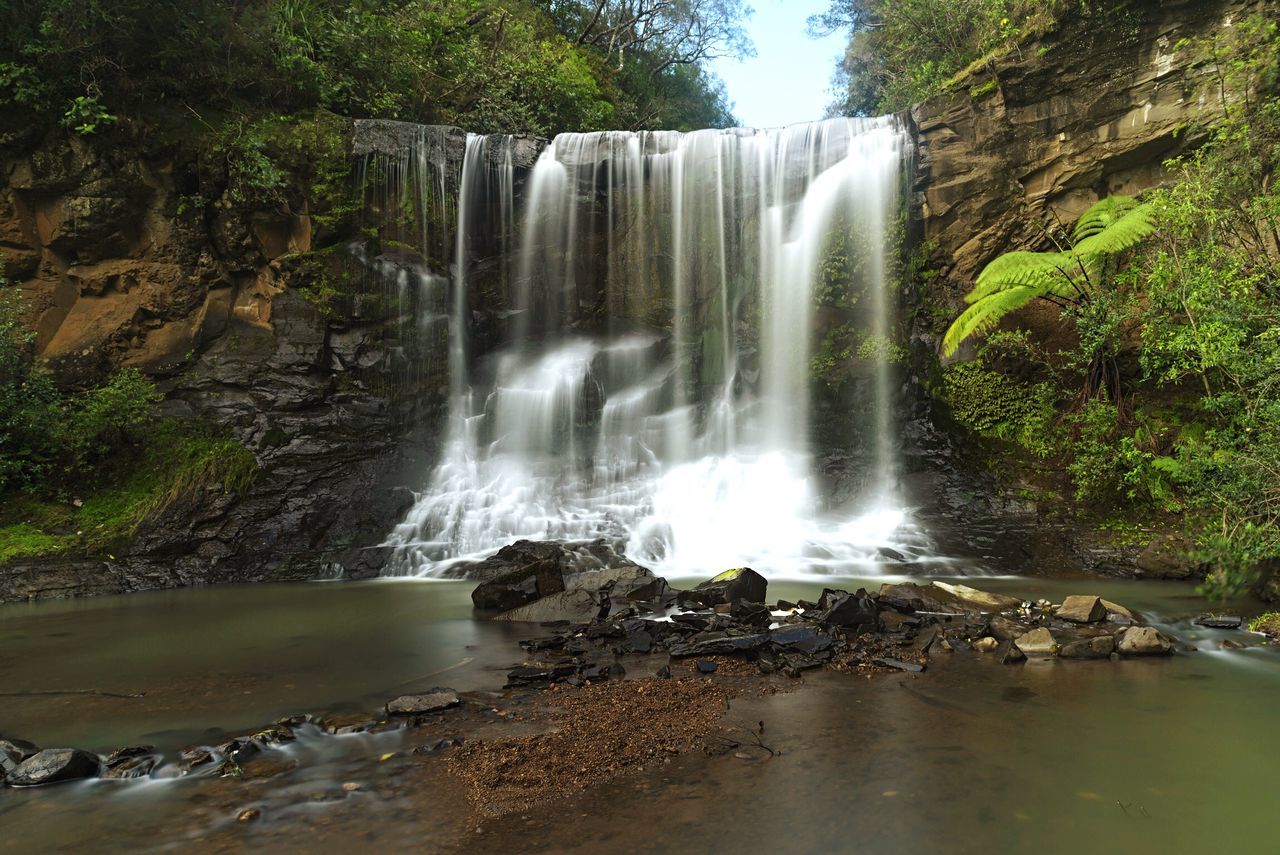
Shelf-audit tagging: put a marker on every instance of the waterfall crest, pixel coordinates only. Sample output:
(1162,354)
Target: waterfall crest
(652,380)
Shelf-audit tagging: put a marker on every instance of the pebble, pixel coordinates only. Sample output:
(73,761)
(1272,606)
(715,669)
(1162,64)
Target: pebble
(249,815)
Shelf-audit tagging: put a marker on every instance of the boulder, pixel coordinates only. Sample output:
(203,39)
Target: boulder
(944,597)
(1007,629)
(524,585)
(133,762)
(1144,641)
(741,583)
(1100,647)
(1169,556)
(423,702)
(972,598)
(718,644)
(53,766)
(1038,643)
(1078,609)
(806,639)
(1220,621)
(858,612)
(1115,611)
(751,614)
(573,606)
(13,752)
(571,557)
(618,582)
(986,645)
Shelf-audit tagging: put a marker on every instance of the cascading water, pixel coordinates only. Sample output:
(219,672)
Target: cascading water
(653,382)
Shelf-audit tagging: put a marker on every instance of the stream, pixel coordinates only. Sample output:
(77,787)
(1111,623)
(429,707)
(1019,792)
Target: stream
(1146,755)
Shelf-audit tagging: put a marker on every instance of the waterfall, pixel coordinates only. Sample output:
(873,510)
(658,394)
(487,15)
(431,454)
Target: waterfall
(652,379)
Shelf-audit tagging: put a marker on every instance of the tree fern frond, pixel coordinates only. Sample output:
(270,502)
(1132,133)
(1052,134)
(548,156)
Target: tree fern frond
(985,314)
(1014,269)
(1101,215)
(1125,233)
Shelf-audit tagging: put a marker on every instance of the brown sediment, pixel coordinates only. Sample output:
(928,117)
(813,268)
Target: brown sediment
(601,731)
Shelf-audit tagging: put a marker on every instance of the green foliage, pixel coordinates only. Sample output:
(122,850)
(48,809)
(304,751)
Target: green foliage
(996,407)
(903,51)
(98,515)
(1190,329)
(515,66)
(1073,277)
(1267,623)
(48,436)
(86,114)
(80,471)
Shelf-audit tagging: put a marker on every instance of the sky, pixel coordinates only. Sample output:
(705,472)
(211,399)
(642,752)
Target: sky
(789,78)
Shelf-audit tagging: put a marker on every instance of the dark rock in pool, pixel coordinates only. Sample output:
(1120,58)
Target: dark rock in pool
(1100,647)
(1220,621)
(570,557)
(706,666)
(127,763)
(525,585)
(630,581)
(741,583)
(806,639)
(423,702)
(13,752)
(692,621)
(751,614)
(857,612)
(53,766)
(718,644)
(573,606)
(239,750)
(913,667)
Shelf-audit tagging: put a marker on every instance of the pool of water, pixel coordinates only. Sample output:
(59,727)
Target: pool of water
(1143,755)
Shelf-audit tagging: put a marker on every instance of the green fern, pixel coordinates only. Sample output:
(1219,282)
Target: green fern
(1067,277)
(1102,215)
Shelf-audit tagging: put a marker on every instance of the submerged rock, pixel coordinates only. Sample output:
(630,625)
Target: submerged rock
(53,766)
(519,587)
(741,583)
(1144,641)
(1078,609)
(127,763)
(1038,643)
(423,702)
(1220,621)
(573,606)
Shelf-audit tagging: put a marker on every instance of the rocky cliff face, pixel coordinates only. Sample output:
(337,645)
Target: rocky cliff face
(1090,110)
(208,298)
